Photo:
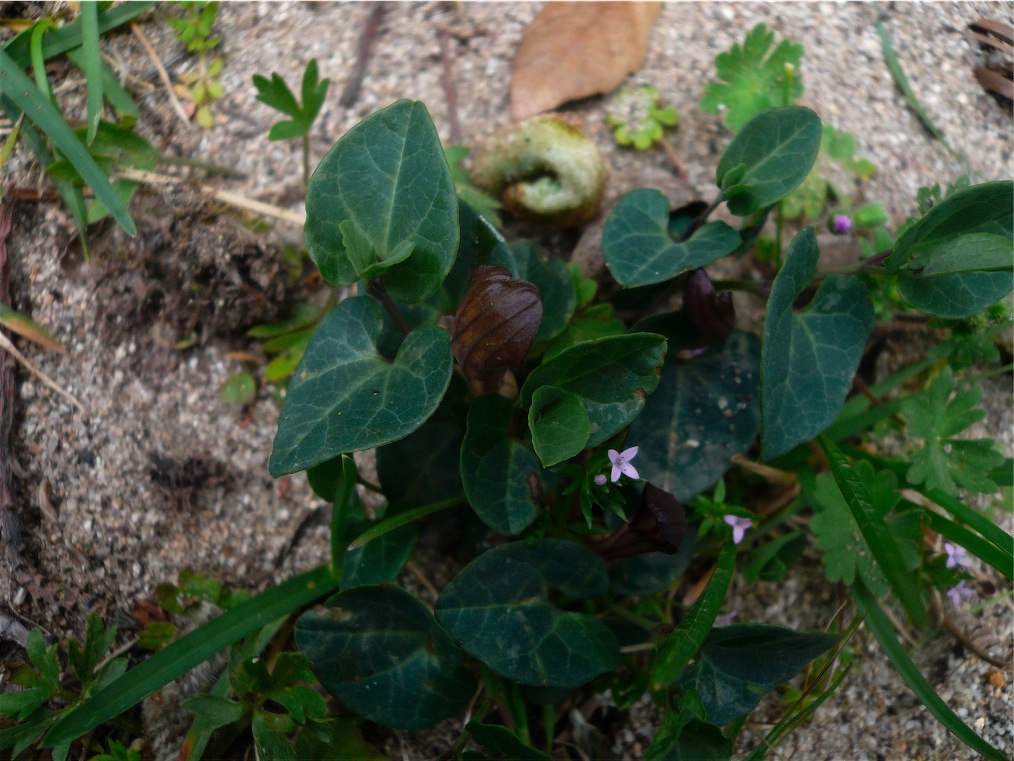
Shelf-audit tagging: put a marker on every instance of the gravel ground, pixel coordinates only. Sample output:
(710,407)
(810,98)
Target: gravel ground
(101,534)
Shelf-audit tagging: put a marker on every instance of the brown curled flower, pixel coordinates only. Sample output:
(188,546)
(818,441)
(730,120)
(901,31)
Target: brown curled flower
(496,322)
(712,314)
(659,525)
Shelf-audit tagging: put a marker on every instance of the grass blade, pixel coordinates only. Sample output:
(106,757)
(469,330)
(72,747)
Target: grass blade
(679,647)
(985,551)
(340,515)
(891,59)
(875,532)
(192,649)
(92,55)
(402,519)
(26,96)
(69,37)
(880,626)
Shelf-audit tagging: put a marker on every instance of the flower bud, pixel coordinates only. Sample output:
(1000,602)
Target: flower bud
(713,315)
(496,322)
(659,525)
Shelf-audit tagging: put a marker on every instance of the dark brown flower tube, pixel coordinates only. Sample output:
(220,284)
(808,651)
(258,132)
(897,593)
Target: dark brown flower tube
(659,525)
(496,322)
(713,315)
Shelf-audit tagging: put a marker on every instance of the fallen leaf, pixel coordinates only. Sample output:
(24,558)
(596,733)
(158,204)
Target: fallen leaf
(575,49)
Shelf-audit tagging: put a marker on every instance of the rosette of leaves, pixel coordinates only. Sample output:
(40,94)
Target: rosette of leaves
(636,118)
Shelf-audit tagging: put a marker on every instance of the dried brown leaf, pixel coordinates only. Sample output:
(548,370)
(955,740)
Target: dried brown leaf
(575,49)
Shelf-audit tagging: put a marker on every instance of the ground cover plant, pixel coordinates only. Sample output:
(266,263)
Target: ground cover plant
(591,457)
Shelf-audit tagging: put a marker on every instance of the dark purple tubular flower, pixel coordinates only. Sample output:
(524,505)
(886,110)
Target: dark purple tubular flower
(712,314)
(659,525)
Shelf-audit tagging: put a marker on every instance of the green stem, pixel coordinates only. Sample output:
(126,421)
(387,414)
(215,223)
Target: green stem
(701,218)
(340,516)
(397,521)
(306,162)
(761,288)
(517,707)
(627,615)
(549,725)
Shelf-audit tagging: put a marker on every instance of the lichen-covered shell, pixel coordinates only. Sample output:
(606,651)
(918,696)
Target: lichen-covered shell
(496,322)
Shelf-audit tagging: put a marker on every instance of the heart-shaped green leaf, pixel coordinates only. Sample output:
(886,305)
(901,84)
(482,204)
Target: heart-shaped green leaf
(703,412)
(637,247)
(345,397)
(497,609)
(612,376)
(954,296)
(739,663)
(504,742)
(555,284)
(974,252)
(986,208)
(769,158)
(501,476)
(809,358)
(558,423)
(379,651)
(385,186)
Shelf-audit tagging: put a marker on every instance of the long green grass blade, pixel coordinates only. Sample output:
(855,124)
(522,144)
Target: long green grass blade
(340,515)
(891,59)
(192,649)
(876,533)
(679,647)
(26,96)
(69,37)
(92,55)
(985,551)
(878,623)
(402,519)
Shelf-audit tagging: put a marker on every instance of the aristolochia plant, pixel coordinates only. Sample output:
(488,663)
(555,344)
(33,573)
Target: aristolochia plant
(568,441)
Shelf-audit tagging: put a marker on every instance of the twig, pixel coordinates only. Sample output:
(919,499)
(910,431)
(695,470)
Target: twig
(674,159)
(6,344)
(412,567)
(225,196)
(380,293)
(9,524)
(764,471)
(355,80)
(450,89)
(965,640)
(166,80)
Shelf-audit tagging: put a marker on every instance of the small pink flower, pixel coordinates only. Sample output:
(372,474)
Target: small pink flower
(621,463)
(600,480)
(956,555)
(841,224)
(739,527)
(959,591)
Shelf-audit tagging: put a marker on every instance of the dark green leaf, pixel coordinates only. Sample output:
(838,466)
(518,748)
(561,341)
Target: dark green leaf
(882,628)
(501,740)
(212,712)
(954,296)
(772,560)
(598,321)
(497,609)
(768,158)
(271,743)
(24,94)
(612,376)
(379,651)
(559,425)
(676,650)
(637,247)
(500,475)
(652,572)
(882,543)
(809,358)
(345,397)
(739,663)
(551,277)
(703,412)
(389,179)
(974,252)
(682,738)
(986,208)
(92,59)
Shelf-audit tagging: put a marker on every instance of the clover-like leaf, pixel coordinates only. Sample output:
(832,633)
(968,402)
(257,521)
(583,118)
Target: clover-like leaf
(739,663)
(389,179)
(379,651)
(501,476)
(769,158)
(497,608)
(809,358)
(345,397)
(612,376)
(703,412)
(637,247)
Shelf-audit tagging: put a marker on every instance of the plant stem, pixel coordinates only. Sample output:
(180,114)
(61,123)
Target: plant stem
(378,291)
(701,218)
(760,288)
(674,158)
(866,266)
(549,725)
(517,707)
(306,161)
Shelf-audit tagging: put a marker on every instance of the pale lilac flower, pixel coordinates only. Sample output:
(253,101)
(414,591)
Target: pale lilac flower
(600,480)
(841,224)
(726,618)
(958,591)
(621,463)
(956,555)
(739,527)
